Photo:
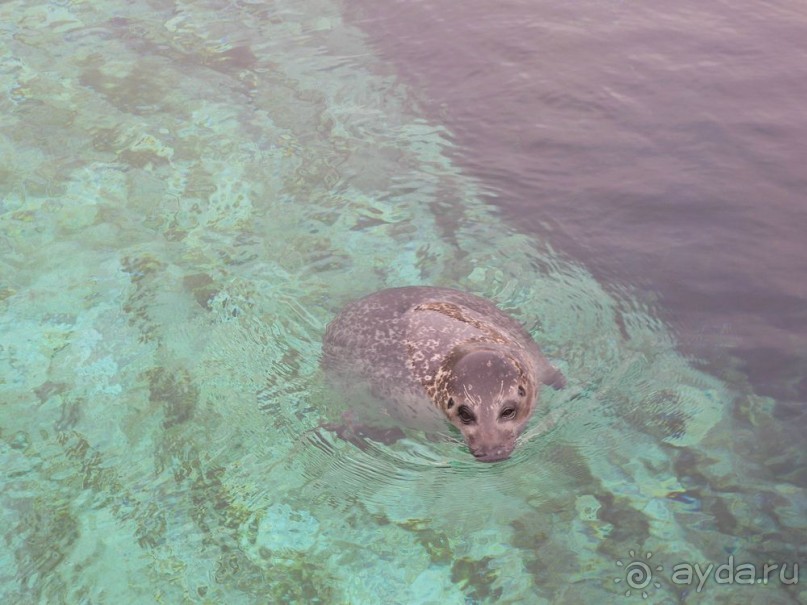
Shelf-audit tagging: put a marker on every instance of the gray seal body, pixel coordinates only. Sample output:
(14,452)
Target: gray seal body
(431,354)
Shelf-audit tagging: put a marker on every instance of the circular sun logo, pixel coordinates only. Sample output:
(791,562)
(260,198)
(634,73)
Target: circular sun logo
(638,574)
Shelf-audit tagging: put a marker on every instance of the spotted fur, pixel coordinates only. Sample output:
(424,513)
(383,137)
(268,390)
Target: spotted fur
(407,343)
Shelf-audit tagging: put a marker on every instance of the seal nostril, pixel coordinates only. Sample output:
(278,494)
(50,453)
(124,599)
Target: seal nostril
(493,455)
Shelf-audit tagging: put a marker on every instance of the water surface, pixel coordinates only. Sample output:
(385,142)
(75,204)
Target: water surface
(189,192)
(662,145)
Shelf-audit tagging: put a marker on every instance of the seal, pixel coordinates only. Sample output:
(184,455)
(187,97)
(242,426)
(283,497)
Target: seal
(429,352)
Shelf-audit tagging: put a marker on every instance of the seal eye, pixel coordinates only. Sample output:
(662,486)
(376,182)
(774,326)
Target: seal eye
(508,413)
(466,416)
(521,391)
(450,402)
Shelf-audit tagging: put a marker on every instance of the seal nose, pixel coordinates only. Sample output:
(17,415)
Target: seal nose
(492,454)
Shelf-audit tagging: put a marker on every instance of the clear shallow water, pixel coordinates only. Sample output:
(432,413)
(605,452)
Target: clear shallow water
(190,191)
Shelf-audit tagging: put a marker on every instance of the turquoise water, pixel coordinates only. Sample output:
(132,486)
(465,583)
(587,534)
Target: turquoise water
(190,191)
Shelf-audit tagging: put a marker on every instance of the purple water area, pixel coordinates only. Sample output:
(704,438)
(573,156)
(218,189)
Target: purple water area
(663,145)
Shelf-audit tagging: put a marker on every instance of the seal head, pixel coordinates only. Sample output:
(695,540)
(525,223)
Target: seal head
(486,393)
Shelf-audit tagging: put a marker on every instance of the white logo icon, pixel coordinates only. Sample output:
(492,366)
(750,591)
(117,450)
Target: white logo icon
(638,575)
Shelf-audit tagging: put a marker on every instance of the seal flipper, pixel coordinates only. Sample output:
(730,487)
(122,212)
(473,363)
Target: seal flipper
(554,378)
(358,434)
